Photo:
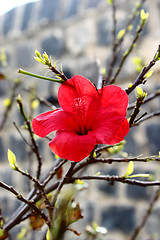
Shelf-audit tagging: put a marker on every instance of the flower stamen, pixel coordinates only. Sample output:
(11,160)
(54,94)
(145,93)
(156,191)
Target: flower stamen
(79,110)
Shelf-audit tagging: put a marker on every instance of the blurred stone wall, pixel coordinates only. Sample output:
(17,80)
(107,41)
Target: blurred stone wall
(78,32)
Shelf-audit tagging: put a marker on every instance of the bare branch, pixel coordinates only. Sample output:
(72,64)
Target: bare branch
(140,79)
(112,179)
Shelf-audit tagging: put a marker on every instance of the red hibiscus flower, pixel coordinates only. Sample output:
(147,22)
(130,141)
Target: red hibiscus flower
(87,117)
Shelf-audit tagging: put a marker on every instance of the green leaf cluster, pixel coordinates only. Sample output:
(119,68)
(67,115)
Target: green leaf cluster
(44,59)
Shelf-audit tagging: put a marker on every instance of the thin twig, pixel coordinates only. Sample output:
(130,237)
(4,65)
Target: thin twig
(136,110)
(126,54)
(22,199)
(34,196)
(34,144)
(113,179)
(54,171)
(8,108)
(148,116)
(15,125)
(140,78)
(86,162)
(146,100)
(62,182)
(116,45)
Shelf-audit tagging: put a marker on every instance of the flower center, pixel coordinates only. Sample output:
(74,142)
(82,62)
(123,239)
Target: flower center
(79,111)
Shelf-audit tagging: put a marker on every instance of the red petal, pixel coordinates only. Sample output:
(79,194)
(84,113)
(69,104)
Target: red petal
(50,121)
(111,128)
(113,98)
(76,87)
(71,146)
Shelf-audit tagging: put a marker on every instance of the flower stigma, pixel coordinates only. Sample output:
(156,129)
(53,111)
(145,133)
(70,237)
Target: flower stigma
(79,110)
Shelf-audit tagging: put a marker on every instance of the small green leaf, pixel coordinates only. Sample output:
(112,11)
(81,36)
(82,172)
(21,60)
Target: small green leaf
(139,175)
(130,27)
(98,173)
(7,102)
(12,159)
(130,169)
(149,74)
(39,60)
(78,181)
(157,57)
(103,71)
(35,104)
(137,60)
(38,54)
(45,56)
(22,233)
(110,1)
(139,92)
(144,16)
(48,235)
(56,156)
(61,68)
(94,155)
(138,4)
(121,34)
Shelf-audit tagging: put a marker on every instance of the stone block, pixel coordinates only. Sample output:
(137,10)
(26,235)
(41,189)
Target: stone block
(24,55)
(27,15)
(2,88)
(49,10)
(152,224)
(18,146)
(4,202)
(79,36)
(120,218)
(90,70)
(72,8)
(94,3)
(2,157)
(137,192)
(131,147)
(6,175)
(53,44)
(106,187)
(89,212)
(104,29)
(152,131)
(8,21)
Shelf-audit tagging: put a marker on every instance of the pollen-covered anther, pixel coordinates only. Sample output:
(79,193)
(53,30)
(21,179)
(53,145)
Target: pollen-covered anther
(79,107)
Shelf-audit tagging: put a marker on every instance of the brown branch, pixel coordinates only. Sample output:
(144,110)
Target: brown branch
(57,72)
(64,180)
(126,54)
(136,110)
(34,196)
(53,172)
(34,144)
(22,199)
(87,162)
(113,179)
(117,45)
(146,100)
(140,79)
(8,108)
(148,116)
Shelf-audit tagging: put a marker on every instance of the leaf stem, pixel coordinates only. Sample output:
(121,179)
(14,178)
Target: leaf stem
(39,76)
